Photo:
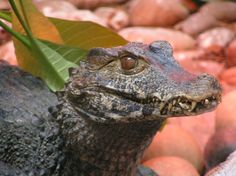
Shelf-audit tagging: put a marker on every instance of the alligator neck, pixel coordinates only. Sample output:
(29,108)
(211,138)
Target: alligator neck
(105,149)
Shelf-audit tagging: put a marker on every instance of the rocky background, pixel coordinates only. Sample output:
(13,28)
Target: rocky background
(204,40)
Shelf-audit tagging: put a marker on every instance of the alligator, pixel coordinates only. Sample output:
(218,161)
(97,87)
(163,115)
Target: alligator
(104,118)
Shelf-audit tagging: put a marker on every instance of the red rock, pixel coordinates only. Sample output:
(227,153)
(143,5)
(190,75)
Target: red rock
(221,144)
(115,18)
(227,87)
(227,168)
(177,39)
(54,5)
(190,61)
(65,10)
(225,113)
(171,166)
(221,10)
(212,172)
(86,15)
(229,76)
(231,53)
(175,141)
(8,53)
(201,127)
(188,54)
(189,4)
(156,13)
(4,4)
(197,23)
(91,4)
(215,37)
(4,36)
(233,26)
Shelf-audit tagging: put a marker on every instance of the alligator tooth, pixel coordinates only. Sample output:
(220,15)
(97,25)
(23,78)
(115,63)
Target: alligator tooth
(183,105)
(156,103)
(174,102)
(206,101)
(162,105)
(176,109)
(169,106)
(193,105)
(214,103)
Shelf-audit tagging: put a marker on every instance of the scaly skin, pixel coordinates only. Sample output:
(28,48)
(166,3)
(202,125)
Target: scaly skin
(109,111)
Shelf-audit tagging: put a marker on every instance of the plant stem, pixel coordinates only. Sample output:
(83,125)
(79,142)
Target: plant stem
(5,16)
(22,22)
(15,34)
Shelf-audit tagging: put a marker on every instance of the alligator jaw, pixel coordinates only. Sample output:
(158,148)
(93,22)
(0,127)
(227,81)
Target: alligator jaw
(182,105)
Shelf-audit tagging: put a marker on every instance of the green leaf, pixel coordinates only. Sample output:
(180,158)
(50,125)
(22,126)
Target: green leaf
(70,53)
(56,74)
(86,35)
(52,67)
(58,58)
(82,34)
(39,25)
(48,60)
(55,66)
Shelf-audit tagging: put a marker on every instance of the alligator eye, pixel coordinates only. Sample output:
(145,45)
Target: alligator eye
(128,63)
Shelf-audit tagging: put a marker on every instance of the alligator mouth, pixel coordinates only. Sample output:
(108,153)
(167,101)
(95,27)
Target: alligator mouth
(176,106)
(181,105)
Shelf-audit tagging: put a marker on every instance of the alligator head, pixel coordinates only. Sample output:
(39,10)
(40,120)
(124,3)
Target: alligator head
(117,99)
(139,82)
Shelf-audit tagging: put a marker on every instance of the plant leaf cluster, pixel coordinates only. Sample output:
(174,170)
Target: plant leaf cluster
(47,47)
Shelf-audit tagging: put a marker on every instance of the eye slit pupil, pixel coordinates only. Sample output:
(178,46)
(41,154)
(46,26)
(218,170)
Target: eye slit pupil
(128,63)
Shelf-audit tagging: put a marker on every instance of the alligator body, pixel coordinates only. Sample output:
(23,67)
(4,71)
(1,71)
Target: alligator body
(106,116)
(25,124)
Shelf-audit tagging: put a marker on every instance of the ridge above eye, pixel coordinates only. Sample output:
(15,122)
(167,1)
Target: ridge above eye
(128,62)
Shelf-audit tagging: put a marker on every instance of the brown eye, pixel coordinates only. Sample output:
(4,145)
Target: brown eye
(128,63)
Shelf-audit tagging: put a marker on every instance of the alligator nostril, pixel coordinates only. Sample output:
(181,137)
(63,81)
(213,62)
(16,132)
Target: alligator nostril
(204,76)
(210,81)
(216,85)
(155,46)
(159,46)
